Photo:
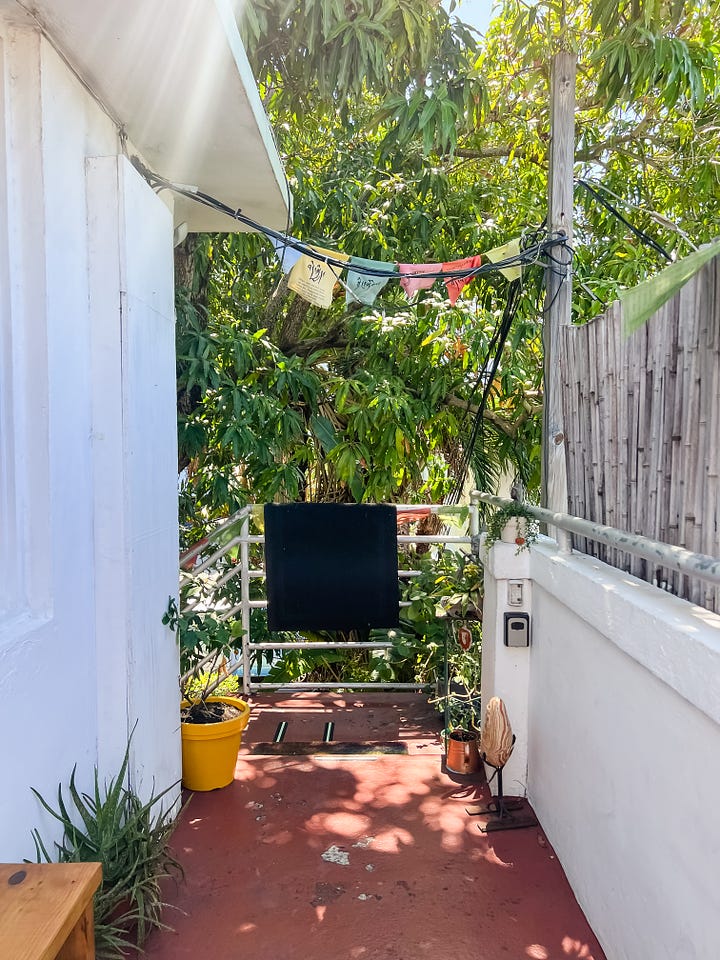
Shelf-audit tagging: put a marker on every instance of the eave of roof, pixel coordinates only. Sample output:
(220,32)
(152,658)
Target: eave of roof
(175,75)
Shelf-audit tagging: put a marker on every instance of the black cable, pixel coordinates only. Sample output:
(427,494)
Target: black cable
(527,257)
(640,234)
(489,369)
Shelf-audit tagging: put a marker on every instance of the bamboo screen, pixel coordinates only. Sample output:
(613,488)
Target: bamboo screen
(642,422)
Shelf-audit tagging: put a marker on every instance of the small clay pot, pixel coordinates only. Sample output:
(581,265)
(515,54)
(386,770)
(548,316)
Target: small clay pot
(462,752)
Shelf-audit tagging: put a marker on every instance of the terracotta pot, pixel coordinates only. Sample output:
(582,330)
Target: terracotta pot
(462,754)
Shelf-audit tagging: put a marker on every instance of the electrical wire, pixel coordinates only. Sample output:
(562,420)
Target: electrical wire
(640,234)
(489,369)
(527,257)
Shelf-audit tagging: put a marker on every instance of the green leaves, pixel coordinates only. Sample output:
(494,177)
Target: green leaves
(130,838)
(640,61)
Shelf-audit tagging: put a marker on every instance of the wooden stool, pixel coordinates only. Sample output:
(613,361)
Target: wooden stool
(46,910)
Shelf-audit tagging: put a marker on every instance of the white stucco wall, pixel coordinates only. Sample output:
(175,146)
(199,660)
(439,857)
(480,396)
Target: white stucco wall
(87,484)
(506,670)
(623,741)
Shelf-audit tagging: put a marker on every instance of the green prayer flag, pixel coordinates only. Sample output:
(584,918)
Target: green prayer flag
(362,287)
(641,302)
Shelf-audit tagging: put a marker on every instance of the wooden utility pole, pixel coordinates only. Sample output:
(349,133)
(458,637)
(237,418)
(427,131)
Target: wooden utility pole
(558,284)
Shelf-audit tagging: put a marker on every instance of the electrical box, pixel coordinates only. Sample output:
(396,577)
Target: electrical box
(515,593)
(517,629)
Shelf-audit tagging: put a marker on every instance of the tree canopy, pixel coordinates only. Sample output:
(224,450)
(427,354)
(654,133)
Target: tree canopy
(406,136)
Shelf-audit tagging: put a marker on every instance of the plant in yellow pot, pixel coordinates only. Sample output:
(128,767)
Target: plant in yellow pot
(212,716)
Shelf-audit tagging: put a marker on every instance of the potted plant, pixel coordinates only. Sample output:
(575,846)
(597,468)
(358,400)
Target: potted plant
(462,734)
(212,716)
(511,523)
(445,613)
(131,838)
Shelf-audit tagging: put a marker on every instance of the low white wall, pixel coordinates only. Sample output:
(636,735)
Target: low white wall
(623,753)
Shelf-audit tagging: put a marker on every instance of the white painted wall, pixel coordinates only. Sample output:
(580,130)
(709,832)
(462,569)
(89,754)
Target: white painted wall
(88,476)
(623,746)
(506,670)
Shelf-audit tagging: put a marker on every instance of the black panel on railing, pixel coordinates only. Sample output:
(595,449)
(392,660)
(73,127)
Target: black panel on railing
(331,566)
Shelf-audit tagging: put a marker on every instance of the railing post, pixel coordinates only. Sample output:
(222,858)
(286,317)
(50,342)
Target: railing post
(245,600)
(474,513)
(564,540)
(475,522)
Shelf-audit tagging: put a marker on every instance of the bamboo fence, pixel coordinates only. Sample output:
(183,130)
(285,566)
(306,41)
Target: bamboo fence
(642,426)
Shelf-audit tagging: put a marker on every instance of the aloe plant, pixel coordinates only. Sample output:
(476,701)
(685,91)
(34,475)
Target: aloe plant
(129,837)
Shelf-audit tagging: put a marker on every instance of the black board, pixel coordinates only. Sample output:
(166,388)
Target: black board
(331,566)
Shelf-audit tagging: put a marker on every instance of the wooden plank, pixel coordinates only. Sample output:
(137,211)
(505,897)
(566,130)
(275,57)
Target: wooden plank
(80,944)
(39,913)
(558,303)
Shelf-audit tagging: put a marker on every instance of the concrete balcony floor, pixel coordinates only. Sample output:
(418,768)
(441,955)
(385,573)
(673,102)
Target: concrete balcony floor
(361,857)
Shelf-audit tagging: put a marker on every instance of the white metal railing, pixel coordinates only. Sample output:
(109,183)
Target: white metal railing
(210,582)
(684,561)
(665,555)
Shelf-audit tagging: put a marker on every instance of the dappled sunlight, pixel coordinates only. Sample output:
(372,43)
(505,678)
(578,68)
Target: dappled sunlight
(490,856)
(397,794)
(339,850)
(279,839)
(392,840)
(576,948)
(706,617)
(451,820)
(341,824)
(537,952)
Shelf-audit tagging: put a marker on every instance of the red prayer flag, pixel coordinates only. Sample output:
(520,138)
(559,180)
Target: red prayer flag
(455,285)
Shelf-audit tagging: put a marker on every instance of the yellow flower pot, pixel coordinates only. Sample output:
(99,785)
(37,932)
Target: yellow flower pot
(209,750)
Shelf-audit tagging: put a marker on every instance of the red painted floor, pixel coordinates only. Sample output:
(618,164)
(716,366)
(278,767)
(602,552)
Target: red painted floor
(362,857)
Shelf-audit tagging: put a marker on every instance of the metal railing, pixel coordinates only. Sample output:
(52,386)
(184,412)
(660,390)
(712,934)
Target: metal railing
(210,580)
(684,561)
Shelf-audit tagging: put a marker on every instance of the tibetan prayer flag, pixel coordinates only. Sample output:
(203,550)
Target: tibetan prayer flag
(456,285)
(508,250)
(288,256)
(411,284)
(314,279)
(362,287)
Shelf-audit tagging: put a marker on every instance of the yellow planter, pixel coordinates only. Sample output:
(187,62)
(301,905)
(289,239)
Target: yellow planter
(209,750)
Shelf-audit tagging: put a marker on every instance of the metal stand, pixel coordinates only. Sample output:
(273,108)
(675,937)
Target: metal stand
(499,811)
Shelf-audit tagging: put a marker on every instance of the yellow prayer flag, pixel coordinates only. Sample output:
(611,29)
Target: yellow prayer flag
(507,250)
(314,279)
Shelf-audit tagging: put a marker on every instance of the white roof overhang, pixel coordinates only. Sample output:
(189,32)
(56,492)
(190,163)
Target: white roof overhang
(175,75)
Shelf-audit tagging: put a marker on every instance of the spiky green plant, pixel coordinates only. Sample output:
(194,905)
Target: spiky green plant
(130,839)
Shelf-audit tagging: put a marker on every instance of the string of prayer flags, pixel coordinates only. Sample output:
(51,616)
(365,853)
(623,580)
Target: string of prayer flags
(288,256)
(505,252)
(313,279)
(411,284)
(456,285)
(362,287)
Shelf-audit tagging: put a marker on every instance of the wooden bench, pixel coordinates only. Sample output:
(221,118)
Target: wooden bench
(46,910)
